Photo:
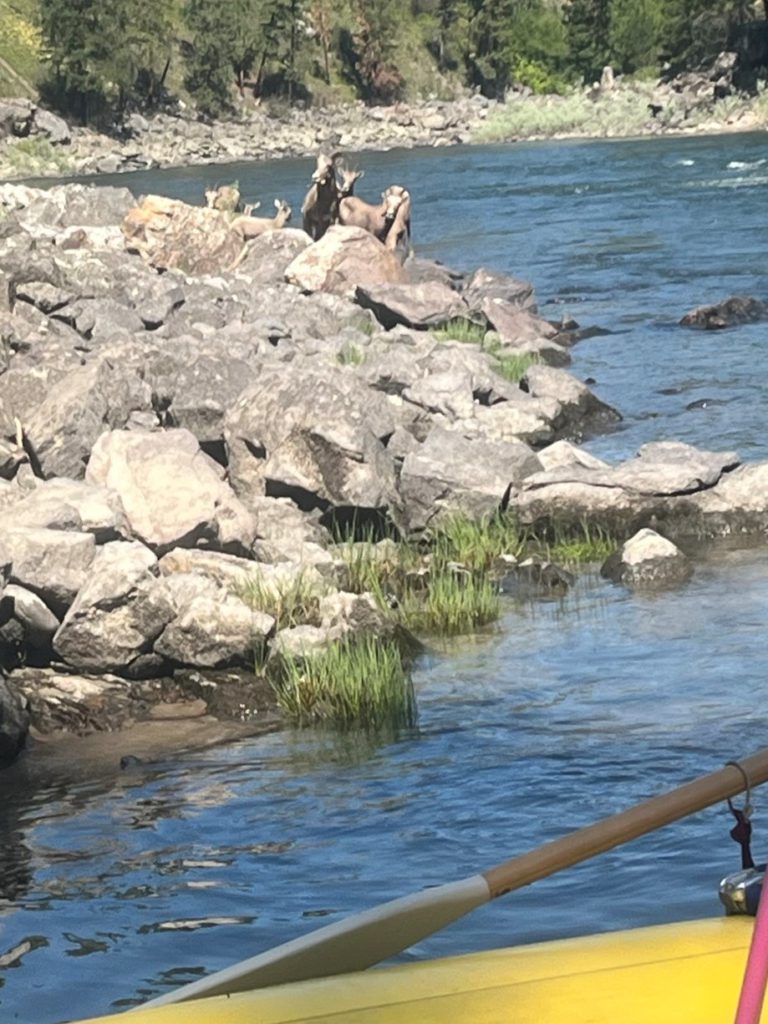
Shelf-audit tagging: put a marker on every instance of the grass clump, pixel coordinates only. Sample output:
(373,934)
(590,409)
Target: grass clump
(359,683)
(452,600)
(350,355)
(460,330)
(514,367)
(291,601)
(575,546)
(35,155)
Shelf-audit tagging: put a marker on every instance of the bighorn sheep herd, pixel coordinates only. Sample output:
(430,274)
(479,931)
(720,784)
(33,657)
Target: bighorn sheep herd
(330,200)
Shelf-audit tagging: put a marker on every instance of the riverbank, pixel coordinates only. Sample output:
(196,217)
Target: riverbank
(46,146)
(311,392)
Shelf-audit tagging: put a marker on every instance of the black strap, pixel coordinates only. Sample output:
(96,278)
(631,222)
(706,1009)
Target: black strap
(742,834)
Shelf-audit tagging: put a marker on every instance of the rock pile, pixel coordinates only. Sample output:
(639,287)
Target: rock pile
(175,436)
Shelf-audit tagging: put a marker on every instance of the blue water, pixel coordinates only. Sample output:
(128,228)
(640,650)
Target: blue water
(571,710)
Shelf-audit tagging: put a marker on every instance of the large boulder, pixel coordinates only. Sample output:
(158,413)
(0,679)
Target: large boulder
(172,493)
(53,564)
(268,256)
(169,233)
(89,400)
(449,473)
(60,504)
(413,305)
(487,284)
(118,613)
(342,259)
(314,435)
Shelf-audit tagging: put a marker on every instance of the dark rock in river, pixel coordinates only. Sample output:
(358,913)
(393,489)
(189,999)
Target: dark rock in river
(739,309)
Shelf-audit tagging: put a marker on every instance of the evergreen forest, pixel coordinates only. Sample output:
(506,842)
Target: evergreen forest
(97,59)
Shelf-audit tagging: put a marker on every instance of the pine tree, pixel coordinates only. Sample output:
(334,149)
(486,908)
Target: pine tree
(634,34)
(588,24)
(695,31)
(223,49)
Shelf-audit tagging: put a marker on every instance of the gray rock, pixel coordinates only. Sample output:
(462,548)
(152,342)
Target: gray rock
(450,473)
(647,559)
(486,284)
(36,621)
(64,428)
(60,504)
(52,126)
(269,255)
(449,393)
(64,702)
(313,435)
(342,259)
(14,723)
(215,632)
(672,467)
(119,612)
(298,642)
(581,412)
(414,305)
(51,563)
(172,493)
(15,117)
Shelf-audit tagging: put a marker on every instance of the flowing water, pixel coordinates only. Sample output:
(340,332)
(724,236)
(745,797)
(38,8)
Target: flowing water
(114,888)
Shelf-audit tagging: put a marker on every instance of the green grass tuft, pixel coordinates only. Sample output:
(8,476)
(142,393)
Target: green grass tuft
(452,600)
(291,602)
(514,367)
(460,330)
(350,355)
(361,683)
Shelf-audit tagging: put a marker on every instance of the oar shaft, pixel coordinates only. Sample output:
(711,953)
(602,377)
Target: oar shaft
(627,825)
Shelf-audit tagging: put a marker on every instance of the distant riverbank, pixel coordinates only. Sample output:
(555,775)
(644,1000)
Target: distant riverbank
(610,110)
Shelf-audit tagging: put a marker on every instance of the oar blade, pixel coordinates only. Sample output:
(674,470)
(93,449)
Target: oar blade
(352,944)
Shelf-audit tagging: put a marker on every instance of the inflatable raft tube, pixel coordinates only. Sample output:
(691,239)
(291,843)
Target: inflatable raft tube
(687,973)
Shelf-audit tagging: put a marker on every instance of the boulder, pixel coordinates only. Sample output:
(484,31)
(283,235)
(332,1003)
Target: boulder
(269,255)
(60,504)
(580,412)
(37,622)
(344,258)
(414,305)
(172,493)
(118,613)
(647,559)
(51,563)
(169,233)
(485,285)
(14,723)
(214,632)
(53,127)
(65,702)
(672,467)
(738,309)
(449,393)
(314,435)
(89,400)
(16,117)
(449,473)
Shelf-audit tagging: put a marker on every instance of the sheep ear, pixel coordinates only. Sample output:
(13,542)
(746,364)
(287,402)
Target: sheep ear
(360,174)
(277,203)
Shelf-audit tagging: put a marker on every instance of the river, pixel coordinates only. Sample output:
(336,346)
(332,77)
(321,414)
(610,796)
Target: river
(115,888)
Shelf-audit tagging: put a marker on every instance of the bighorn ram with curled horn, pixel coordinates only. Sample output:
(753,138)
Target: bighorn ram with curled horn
(251,227)
(225,198)
(321,202)
(378,220)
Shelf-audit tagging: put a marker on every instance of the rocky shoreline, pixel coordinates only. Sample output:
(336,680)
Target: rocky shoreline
(176,433)
(35,142)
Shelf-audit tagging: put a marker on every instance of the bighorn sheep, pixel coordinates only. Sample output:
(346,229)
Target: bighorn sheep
(346,184)
(322,200)
(251,227)
(225,198)
(376,219)
(398,237)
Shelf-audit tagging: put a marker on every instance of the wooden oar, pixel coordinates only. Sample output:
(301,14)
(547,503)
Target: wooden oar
(374,935)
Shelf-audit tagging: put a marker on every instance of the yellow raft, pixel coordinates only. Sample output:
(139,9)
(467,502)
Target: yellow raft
(686,973)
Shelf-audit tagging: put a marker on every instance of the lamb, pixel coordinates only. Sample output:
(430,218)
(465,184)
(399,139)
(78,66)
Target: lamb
(251,227)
